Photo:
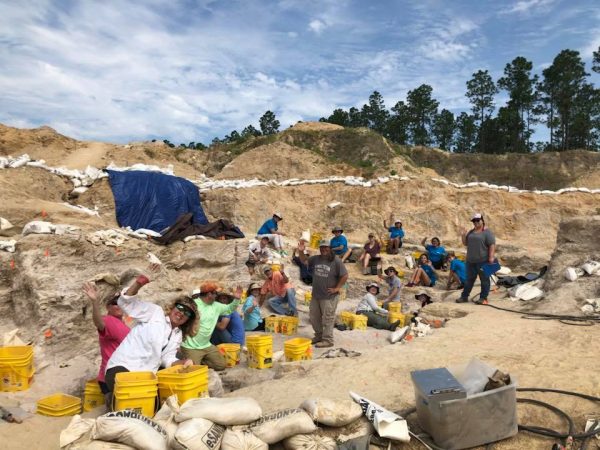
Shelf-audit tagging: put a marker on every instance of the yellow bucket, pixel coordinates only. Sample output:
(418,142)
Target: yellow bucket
(393,316)
(315,239)
(380,303)
(231,353)
(136,391)
(395,307)
(384,244)
(346,318)
(297,349)
(16,368)
(289,325)
(58,405)
(275,267)
(416,255)
(260,351)
(461,256)
(92,395)
(359,322)
(273,324)
(307,298)
(186,382)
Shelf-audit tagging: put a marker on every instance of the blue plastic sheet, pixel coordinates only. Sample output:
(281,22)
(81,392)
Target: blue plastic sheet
(153,200)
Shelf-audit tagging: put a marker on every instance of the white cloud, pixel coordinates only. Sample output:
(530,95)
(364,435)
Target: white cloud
(317,26)
(525,6)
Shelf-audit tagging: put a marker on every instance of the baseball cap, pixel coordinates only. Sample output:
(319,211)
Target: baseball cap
(208,286)
(325,243)
(477,216)
(372,284)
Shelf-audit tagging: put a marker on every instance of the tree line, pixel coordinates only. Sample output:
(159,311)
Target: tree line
(562,98)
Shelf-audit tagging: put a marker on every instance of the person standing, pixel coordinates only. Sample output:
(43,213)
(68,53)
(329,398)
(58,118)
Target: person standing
(481,250)
(198,347)
(280,289)
(270,230)
(329,275)
(111,329)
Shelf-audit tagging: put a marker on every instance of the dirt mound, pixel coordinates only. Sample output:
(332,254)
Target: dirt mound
(316,126)
(282,161)
(36,142)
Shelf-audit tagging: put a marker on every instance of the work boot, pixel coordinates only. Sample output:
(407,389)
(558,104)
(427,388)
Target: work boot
(394,325)
(315,340)
(323,344)
(462,300)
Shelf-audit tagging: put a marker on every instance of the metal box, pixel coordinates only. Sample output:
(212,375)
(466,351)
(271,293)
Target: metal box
(456,420)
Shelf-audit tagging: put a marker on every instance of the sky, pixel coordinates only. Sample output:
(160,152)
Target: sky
(122,71)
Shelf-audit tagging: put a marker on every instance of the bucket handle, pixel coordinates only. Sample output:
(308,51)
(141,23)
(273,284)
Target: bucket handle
(11,367)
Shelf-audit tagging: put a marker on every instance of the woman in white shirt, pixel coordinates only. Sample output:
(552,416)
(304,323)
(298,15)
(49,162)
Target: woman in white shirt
(154,340)
(376,316)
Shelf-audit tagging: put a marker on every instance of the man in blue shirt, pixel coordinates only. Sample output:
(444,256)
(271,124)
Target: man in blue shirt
(339,244)
(396,236)
(458,271)
(230,328)
(270,230)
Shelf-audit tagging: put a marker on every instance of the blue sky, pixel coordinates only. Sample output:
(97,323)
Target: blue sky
(192,70)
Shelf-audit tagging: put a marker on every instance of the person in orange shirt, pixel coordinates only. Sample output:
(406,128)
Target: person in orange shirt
(279,289)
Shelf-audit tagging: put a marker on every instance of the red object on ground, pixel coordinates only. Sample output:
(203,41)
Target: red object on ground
(142,280)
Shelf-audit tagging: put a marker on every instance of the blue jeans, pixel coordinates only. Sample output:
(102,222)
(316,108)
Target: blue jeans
(221,337)
(276,302)
(474,269)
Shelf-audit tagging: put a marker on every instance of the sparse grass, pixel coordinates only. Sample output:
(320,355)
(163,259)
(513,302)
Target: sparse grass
(150,153)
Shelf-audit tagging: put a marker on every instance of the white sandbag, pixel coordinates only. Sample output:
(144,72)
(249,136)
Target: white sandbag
(386,423)
(310,442)
(8,246)
(224,411)
(130,428)
(199,434)
(5,224)
(75,430)
(333,413)
(591,267)
(241,440)
(282,424)
(399,334)
(38,227)
(88,444)
(572,273)
(165,417)
(410,261)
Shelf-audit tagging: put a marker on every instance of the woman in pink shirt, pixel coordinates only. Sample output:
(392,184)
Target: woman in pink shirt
(111,329)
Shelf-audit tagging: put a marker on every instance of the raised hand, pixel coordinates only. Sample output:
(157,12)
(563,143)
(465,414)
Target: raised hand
(90,290)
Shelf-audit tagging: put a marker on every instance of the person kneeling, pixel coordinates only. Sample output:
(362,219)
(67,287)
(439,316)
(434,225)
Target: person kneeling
(230,328)
(376,316)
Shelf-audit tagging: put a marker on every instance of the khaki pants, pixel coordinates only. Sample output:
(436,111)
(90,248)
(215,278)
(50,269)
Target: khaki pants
(322,318)
(210,356)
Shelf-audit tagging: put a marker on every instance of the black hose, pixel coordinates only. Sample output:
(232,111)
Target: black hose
(590,320)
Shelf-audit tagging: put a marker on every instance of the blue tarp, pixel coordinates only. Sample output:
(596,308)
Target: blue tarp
(153,200)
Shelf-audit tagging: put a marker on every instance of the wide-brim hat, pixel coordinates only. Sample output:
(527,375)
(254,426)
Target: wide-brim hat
(386,271)
(371,285)
(337,228)
(278,214)
(422,293)
(189,304)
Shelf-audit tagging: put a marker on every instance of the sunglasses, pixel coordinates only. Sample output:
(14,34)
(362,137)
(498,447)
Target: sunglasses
(184,310)
(476,220)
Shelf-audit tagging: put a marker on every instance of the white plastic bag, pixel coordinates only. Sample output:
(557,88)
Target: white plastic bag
(199,434)
(130,428)
(386,423)
(333,413)
(224,411)
(38,227)
(309,442)
(241,440)
(282,424)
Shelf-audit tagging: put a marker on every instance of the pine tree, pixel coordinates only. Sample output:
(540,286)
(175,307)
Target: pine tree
(268,123)
(422,110)
(443,129)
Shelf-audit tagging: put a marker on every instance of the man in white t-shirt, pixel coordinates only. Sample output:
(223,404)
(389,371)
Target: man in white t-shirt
(259,253)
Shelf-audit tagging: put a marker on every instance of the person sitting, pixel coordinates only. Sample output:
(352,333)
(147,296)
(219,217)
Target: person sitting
(376,316)
(111,329)
(198,347)
(154,340)
(252,318)
(339,244)
(396,236)
(424,275)
(437,253)
(394,285)
(458,272)
(300,256)
(372,250)
(229,328)
(259,253)
(270,230)
(280,289)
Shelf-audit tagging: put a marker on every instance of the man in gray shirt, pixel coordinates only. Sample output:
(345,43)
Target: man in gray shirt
(329,275)
(481,250)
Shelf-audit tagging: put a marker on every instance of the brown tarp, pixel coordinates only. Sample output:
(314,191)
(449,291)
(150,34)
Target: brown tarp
(184,227)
